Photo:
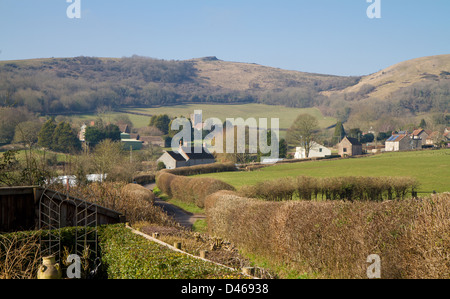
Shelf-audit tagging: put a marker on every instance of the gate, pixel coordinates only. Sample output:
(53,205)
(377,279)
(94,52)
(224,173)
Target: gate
(58,210)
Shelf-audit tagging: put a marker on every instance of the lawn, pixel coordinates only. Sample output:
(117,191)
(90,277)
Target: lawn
(431,168)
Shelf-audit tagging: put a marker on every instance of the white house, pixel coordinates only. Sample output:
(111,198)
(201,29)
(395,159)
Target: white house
(316,151)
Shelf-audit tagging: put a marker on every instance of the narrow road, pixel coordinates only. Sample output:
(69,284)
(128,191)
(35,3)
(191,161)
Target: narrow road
(181,216)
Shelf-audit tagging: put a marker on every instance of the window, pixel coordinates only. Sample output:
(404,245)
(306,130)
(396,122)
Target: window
(345,149)
(320,150)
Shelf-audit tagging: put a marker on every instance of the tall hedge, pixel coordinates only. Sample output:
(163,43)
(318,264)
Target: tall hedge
(333,239)
(334,188)
(190,190)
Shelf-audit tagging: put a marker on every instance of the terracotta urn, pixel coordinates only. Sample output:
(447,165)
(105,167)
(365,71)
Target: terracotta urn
(49,269)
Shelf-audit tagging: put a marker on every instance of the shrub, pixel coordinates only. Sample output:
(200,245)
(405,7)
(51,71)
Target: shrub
(163,180)
(332,239)
(195,190)
(334,188)
(202,169)
(139,193)
(131,200)
(144,179)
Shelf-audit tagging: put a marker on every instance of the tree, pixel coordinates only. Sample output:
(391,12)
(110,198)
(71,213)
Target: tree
(369,137)
(383,136)
(112,132)
(423,124)
(9,119)
(107,154)
(64,139)
(283,148)
(161,122)
(355,133)
(303,132)
(339,133)
(45,136)
(27,133)
(94,135)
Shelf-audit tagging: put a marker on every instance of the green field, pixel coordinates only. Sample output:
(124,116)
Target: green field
(286,115)
(431,168)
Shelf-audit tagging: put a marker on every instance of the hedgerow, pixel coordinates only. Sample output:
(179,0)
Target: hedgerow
(334,188)
(190,190)
(333,239)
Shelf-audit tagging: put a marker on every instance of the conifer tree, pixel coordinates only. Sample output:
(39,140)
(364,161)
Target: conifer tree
(45,136)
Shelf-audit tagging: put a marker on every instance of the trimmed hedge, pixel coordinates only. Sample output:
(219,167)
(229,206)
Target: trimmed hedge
(202,169)
(190,190)
(333,239)
(335,188)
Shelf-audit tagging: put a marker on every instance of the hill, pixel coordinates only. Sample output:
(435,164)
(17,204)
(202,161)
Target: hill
(85,84)
(403,75)
(408,91)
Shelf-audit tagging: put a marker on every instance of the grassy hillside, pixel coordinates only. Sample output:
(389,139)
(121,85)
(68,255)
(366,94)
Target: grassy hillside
(402,75)
(431,168)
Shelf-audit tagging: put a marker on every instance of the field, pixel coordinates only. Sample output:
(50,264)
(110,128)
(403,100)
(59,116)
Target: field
(431,168)
(286,115)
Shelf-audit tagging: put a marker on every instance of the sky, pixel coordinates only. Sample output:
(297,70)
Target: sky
(320,36)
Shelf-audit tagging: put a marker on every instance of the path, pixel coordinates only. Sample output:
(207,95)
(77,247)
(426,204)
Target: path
(181,216)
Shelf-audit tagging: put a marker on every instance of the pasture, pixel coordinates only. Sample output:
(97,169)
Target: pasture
(430,167)
(286,115)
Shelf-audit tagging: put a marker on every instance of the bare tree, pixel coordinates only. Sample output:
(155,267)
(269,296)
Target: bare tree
(303,132)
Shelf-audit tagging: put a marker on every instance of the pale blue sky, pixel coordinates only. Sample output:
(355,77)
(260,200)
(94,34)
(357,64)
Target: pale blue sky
(320,36)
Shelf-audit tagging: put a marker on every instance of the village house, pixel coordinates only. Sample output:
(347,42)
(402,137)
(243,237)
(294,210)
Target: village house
(350,147)
(403,142)
(184,157)
(422,135)
(316,151)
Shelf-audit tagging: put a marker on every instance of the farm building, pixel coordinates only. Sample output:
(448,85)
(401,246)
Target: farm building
(402,142)
(134,144)
(350,147)
(184,157)
(316,151)
(131,141)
